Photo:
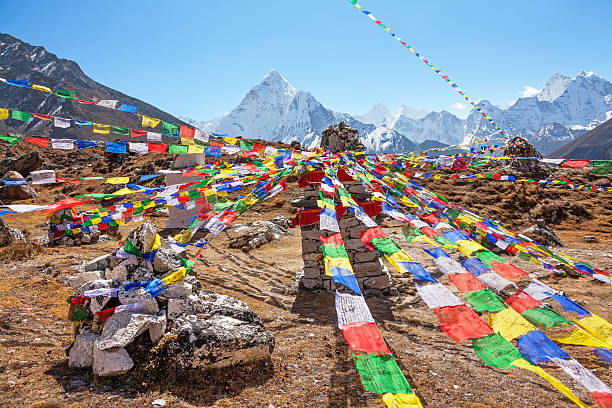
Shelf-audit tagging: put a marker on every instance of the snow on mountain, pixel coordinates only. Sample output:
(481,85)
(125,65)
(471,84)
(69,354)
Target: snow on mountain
(379,115)
(564,109)
(441,126)
(275,110)
(411,113)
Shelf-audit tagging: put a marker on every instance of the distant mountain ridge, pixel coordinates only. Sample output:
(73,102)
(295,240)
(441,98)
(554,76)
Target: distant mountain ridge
(596,144)
(563,110)
(20,60)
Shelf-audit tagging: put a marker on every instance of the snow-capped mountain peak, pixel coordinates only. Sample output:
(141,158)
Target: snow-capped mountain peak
(378,115)
(555,86)
(411,113)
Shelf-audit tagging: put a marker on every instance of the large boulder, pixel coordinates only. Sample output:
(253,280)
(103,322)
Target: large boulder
(341,137)
(16,192)
(24,164)
(143,237)
(255,234)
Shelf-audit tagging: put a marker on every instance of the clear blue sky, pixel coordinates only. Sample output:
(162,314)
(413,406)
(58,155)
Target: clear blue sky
(199,58)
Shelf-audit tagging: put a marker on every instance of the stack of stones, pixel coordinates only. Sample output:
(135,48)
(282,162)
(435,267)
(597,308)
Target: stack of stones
(372,276)
(341,137)
(189,327)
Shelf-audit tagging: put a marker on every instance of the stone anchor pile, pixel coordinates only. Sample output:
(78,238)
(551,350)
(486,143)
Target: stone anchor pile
(372,277)
(341,137)
(190,328)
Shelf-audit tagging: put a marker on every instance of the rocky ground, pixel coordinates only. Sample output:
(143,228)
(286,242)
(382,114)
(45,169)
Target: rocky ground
(311,364)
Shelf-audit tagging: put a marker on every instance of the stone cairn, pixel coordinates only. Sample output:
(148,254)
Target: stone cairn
(341,137)
(372,276)
(520,147)
(190,328)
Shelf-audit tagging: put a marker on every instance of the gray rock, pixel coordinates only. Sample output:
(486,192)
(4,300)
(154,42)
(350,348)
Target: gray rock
(136,295)
(122,328)
(18,192)
(255,234)
(143,236)
(378,282)
(543,234)
(24,164)
(159,403)
(100,263)
(82,278)
(94,284)
(5,233)
(180,290)
(218,341)
(209,304)
(81,353)
(158,327)
(166,259)
(111,362)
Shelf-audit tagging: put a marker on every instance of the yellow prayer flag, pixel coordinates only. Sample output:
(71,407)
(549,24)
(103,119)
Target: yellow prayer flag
(99,128)
(41,88)
(156,243)
(466,219)
(195,149)
(510,324)
(120,221)
(402,400)
(337,263)
(522,363)
(399,256)
(150,122)
(185,141)
(4,113)
(230,140)
(406,202)
(176,276)
(125,191)
(250,200)
(323,204)
(468,247)
(117,180)
(96,221)
(598,327)
(76,231)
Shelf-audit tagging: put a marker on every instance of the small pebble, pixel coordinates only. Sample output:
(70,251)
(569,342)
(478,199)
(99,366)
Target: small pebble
(11,384)
(159,403)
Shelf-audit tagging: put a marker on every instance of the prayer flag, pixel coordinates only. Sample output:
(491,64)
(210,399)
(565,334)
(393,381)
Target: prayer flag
(538,348)
(170,128)
(436,295)
(187,132)
(64,144)
(365,337)
(4,113)
(121,130)
(466,282)
(485,300)
(602,167)
(19,115)
(509,324)
(461,323)
(522,301)
(381,374)
(495,351)
(177,149)
(108,103)
(41,88)
(575,164)
(127,108)
(544,317)
(137,133)
(86,144)
(116,147)
(61,122)
(65,94)
(99,128)
(149,122)
(157,147)
(11,139)
(38,141)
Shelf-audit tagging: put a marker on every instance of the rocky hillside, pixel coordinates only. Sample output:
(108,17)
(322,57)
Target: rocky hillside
(593,145)
(22,61)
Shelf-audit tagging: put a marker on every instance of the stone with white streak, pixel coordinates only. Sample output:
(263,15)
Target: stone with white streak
(81,352)
(122,328)
(111,362)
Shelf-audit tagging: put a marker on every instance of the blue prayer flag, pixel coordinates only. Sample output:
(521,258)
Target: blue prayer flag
(128,108)
(116,147)
(538,348)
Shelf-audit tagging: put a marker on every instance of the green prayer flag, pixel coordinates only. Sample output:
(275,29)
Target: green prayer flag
(65,94)
(385,245)
(177,149)
(19,115)
(485,300)
(381,374)
(91,178)
(240,207)
(495,351)
(487,256)
(218,206)
(130,248)
(121,130)
(97,196)
(11,139)
(244,145)
(333,251)
(451,213)
(602,167)
(442,240)
(188,263)
(79,315)
(170,128)
(544,317)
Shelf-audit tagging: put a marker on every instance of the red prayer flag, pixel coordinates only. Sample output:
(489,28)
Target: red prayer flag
(461,163)
(137,133)
(332,239)
(61,180)
(603,399)
(466,282)
(187,132)
(522,301)
(157,147)
(105,314)
(461,323)
(371,233)
(43,117)
(365,337)
(430,232)
(38,141)
(430,218)
(507,270)
(86,102)
(575,164)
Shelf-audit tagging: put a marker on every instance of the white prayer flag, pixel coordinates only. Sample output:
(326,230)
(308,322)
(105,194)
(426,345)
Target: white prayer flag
(537,289)
(61,122)
(108,103)
(270,151)
(352,309)
(108,292)
(139,148)
(494,281)
(154,137)
(436,295)
(132,307)
(201,135)
(582,375)
(449,266)
(64,144)
(43,177)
